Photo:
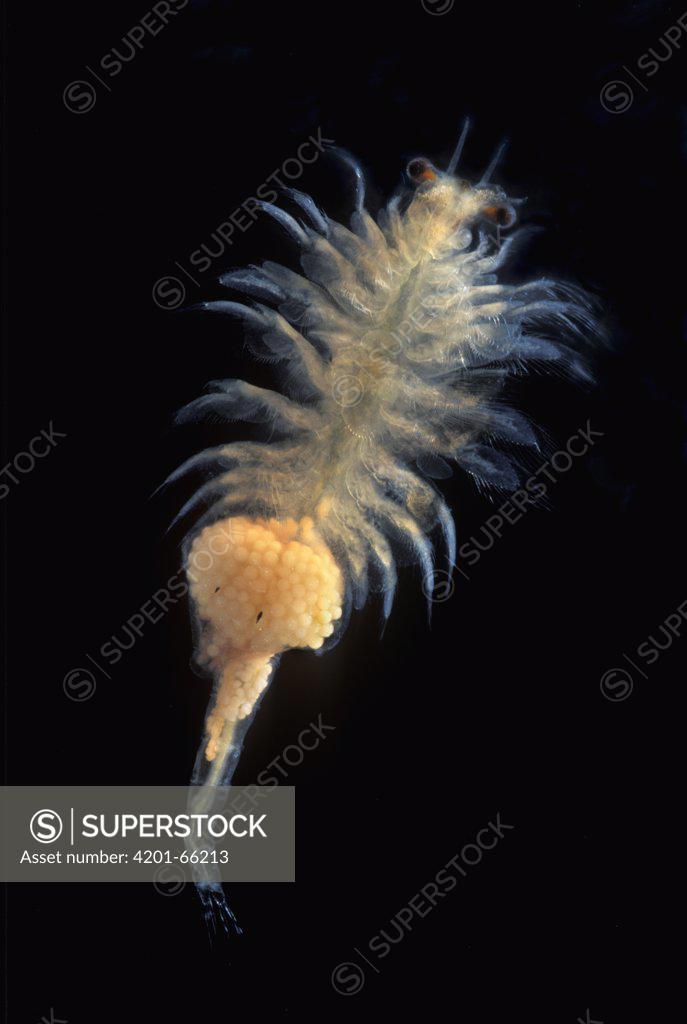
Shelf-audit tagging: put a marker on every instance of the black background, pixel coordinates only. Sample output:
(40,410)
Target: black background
(497,707)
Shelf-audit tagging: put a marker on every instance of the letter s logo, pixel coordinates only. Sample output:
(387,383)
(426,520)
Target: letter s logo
(46,826)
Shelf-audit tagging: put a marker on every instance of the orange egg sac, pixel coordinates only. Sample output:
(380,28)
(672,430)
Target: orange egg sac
(260,587)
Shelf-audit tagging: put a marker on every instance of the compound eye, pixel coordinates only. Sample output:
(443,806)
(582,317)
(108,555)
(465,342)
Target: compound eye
(502,214)
(420,170)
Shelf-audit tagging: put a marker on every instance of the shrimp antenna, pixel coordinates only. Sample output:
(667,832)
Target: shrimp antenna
(453,163)
(357,172)
(500,150)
